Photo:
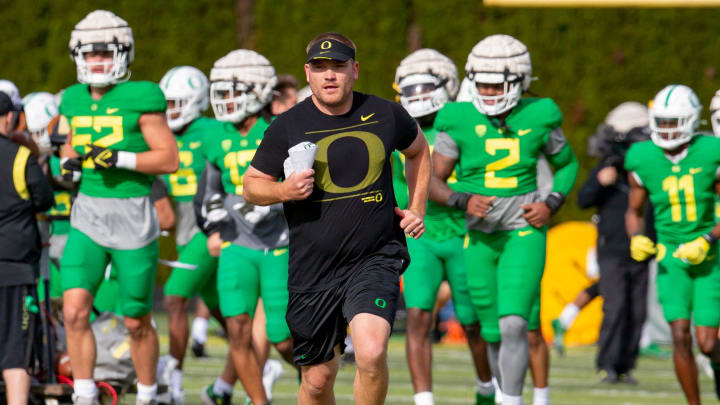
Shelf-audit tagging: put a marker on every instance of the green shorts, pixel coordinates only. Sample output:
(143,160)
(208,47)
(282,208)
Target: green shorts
(504,273)
(685,290)
(244,275)
(534,319)
(202,280)
(107,296)
(83,266)
(432,262)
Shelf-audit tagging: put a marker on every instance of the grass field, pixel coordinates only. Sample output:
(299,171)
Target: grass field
(572,379)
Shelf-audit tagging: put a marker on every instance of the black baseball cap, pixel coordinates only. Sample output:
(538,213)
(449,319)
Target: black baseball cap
(6,104)
(330,49)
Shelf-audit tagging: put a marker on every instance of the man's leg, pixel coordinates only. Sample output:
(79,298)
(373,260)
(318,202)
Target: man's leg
(567,316)
(316,387)
(421,282)
(178,328)
(706,301)
(685,367)
(539,367)
(259,333)
(613,285)
(246,362)
(17,386)
(370,338)
(637,312)
(143,347)
(83,268)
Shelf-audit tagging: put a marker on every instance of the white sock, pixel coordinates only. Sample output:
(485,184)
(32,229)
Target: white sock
(199,329)
(176,380)
(568,315)
(85,388)
(498,391)
(541,396)
(220,387)
(146,392)
(512,400)
(484,388)
(424,398)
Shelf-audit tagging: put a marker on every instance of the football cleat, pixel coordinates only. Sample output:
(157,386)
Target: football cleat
(558,336)
(499,59)
(198,349)
(208,397)
(102,31)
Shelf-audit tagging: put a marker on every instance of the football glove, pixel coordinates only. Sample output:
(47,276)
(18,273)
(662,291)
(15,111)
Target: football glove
(641,247)
(252,213)
(693,252)
(214,210)
(102,157)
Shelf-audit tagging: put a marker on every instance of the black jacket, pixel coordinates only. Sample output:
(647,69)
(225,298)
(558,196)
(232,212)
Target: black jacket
(24,191)
(611,203)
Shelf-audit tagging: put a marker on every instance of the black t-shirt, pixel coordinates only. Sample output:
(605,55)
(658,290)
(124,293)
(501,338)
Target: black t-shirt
(349,217)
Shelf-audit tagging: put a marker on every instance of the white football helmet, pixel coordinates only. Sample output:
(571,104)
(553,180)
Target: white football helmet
(9,88)
(40,109)
(715,113)
(188,88)
(102,31)
(241,84)
(499,59)
(465,93)
(426,80)
(674,116)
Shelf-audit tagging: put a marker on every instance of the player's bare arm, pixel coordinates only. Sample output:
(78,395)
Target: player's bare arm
(262,189)
(475,204)
(165,213)
(418,168)
(162,158)
(634,213)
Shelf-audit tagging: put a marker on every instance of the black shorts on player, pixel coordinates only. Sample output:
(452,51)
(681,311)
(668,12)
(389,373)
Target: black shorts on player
(16,327)
(318,320)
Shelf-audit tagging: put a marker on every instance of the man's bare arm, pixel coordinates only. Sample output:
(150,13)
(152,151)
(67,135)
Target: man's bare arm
(418,168)
(162,158)
(636,199)
(262,189)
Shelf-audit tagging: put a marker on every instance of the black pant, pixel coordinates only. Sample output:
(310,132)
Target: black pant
(623,286)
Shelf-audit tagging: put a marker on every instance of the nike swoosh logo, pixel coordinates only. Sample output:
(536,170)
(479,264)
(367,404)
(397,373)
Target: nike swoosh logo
(111,110)
(522,132)
(695,170)
(278,252)
(524,233)
(365,118)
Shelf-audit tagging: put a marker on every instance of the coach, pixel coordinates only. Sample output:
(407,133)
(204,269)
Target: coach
(24,191)
(347,247)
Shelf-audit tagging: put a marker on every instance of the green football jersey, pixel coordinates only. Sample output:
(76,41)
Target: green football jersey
(495,159)
(111,122)
(60,212)
(182,185)
(231,153)
(441,222)
(682,194)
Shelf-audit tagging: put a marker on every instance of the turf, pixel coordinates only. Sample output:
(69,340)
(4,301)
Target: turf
(572,379)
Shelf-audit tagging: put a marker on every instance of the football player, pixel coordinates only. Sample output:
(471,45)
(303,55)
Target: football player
(250,241)
(499,138)
(426,80)
(678,171)
(186,90)
(119,139)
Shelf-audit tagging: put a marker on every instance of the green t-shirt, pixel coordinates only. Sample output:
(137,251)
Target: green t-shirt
(496,159)
(60,212)
(441,222)
(182,185)
(232,152)
(682,194)
(111,122)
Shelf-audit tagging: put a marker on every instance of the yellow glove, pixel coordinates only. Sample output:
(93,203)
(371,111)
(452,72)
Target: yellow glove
(641,247)
(693,252)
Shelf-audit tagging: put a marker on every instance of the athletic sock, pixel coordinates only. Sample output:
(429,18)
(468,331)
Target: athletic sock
(568,315)
(484,388)
(146,392)
(424,398)
(541,396)
(176,380)
(85,388)
(199,329)
(220,387)
(512,400)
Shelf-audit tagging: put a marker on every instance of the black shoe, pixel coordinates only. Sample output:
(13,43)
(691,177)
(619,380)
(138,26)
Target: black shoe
(627,378)
(609,377)
(198,349)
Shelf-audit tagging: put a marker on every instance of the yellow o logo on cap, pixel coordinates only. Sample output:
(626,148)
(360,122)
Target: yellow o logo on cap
(326,45)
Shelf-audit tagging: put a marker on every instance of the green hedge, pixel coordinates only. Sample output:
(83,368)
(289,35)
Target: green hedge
(588,60)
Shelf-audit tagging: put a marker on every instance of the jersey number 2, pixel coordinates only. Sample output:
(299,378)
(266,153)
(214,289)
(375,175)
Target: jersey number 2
(492,146)
(673,185)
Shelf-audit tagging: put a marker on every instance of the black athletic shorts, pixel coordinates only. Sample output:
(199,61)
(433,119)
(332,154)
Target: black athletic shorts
(15,326)
(318,320)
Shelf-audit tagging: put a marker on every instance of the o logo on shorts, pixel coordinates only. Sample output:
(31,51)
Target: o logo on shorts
(376,161)
(380,303)
(326,45)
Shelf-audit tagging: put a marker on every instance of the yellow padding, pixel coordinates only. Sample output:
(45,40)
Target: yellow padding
(19,172)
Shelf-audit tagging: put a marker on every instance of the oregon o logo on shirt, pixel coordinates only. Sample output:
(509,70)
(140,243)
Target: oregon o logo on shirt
(376,161)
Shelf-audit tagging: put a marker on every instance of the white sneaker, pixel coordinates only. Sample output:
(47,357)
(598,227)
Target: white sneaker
(703,363)
(271,372)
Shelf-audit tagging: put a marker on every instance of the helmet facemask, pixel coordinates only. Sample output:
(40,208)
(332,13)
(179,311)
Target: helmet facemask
(670,132)
(114,71)
(422,94)
(493,105)
(715,121)
(233,101)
